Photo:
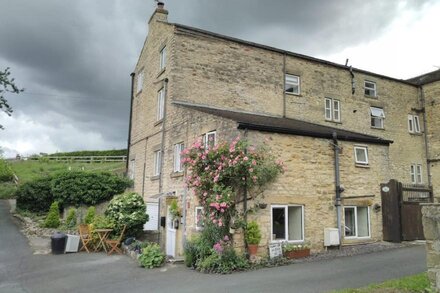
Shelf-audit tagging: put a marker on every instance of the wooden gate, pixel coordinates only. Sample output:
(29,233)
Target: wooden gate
(401,210)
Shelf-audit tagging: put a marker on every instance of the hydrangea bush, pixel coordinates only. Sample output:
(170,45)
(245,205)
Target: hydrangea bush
(127,209)
(218,176)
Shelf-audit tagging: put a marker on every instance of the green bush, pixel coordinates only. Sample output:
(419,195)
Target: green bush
(152,256)
(90,215)
(7,190)
(35,196)
(71,218)
(87,188)
(224,263)
(53,217)
(103,222)
(253,233)
(122,152)
(6,174)
(128,209)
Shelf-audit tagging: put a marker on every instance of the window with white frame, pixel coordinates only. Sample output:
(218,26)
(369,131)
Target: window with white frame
(377,117)
(357,222)
(160,104)
(287,223)
(292,84)
(178,148)
(157,162)
(416,174)
(361,155)
(413,123)
(131,169)
(139,81)
(370,88)
(163,58)
(332,110)
(199,218)
(210,139)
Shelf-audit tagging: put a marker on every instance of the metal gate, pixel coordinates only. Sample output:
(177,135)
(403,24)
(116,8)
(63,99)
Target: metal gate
(401,210)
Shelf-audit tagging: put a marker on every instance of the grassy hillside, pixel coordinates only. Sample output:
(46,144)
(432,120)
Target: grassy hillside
(29,170)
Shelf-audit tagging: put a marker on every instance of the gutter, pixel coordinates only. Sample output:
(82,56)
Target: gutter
(129,123)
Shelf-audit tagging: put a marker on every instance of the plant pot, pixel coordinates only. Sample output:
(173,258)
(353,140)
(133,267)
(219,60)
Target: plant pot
(297,253)
(252,249)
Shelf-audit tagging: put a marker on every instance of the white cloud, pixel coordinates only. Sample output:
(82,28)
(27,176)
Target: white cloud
(409,47)
(25,135)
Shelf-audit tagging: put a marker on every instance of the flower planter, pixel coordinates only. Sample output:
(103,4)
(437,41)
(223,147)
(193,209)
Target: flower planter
(297,253)
(252,249)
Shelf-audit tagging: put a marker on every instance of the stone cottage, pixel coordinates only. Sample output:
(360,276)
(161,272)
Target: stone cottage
(323,119)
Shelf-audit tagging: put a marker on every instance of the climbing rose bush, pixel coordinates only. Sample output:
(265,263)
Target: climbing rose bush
(218,177)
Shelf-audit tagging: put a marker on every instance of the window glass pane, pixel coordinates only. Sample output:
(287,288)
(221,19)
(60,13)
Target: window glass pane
(416,124)
(278,224)
(361,155)
(362,222)
(376,122)
(160,104)
(410,123)
(350,222)
(377,112)
(336,110)
(328,110)
(163,55)
(199,218)
(292,84)
(295,223)
(419,174)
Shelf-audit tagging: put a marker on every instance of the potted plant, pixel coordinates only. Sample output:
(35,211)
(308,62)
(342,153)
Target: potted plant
(296,250)
(253,237)
(174,209)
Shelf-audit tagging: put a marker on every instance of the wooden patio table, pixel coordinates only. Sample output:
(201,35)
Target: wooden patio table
(103,235)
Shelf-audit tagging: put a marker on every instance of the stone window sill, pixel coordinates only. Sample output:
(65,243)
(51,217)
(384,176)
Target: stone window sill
(416,133)
(293,94)
(161,72)
(371,97)
(155,177)
(332,121)
(362,165)
(158,122)
(378,128)
(176,174)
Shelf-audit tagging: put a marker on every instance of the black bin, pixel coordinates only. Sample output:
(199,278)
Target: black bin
(58,242)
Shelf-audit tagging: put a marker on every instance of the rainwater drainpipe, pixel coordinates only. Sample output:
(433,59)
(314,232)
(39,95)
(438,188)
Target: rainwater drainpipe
(284,85)
(337,186)
(162,147)
(245,195)
(425,132)
(129,123)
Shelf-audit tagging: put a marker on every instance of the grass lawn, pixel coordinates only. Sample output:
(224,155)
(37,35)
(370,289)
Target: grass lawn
(416,283)
(29,170)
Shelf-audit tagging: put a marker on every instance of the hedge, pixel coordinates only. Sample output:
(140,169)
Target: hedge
(122,152)
(6,174)
(35,196)
(75,188)
(70,188)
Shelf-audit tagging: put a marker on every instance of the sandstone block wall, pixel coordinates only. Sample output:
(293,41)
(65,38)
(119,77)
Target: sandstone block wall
(431,227)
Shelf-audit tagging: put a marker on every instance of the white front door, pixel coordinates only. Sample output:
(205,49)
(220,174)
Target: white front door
(171,235)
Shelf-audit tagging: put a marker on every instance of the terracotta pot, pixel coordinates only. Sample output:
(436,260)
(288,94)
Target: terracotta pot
(252,249)
(297,253)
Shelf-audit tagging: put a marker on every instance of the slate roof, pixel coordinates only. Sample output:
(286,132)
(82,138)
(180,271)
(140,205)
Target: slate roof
(275,124)
(426,78)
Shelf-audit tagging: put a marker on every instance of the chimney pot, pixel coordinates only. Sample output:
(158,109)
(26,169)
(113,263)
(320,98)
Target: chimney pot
(160,5)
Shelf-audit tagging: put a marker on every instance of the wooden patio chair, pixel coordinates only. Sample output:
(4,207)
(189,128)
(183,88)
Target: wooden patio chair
(86,237)
(113,244)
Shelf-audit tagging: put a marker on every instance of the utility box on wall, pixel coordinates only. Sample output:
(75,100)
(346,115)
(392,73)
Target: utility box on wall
(331,237)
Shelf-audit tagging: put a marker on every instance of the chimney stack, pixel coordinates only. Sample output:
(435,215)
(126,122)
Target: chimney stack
(160,14)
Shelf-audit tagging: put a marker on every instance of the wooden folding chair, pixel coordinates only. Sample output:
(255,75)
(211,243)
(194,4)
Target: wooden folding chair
(113,244)
(86,237)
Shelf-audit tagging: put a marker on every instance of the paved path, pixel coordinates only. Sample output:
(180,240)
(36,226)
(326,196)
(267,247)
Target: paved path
(20,271)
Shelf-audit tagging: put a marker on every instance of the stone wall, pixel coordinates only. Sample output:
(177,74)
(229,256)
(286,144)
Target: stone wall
(431,227)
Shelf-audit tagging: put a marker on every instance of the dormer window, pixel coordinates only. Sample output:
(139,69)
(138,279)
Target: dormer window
(370,88)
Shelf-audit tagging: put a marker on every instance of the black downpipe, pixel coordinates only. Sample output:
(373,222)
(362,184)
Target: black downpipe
(129,123)
(337,185)
(245,196)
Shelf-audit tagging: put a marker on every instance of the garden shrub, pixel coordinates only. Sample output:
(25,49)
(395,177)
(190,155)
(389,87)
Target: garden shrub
(53,217)
(71,218)
(128,209)
(6,174)
(87,188)
(102,222)
(152,256)
(35,196)
(252,233)
(90,215)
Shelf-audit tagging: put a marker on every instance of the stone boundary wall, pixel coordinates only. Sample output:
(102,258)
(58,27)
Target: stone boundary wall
(431,227)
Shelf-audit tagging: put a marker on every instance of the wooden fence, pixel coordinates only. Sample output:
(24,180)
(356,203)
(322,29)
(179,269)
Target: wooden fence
(80,159)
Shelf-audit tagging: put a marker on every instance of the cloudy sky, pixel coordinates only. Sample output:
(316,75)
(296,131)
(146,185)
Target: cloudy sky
(74,57)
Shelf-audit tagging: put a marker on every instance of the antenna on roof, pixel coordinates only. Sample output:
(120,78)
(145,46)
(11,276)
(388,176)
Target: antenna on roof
(346,62)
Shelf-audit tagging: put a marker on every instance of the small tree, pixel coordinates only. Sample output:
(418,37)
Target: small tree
(53,217)
(71,218)
(7,84)
(90,215)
